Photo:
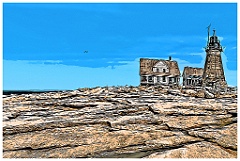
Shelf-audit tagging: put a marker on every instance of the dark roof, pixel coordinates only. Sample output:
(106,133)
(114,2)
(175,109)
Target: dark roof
(192,71)
(146,67)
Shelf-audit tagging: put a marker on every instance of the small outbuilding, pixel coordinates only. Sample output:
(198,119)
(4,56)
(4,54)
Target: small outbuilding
(192,77)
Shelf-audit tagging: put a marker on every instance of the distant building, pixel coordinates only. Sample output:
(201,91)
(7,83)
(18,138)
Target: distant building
(166,72)
(192,77)
(159,71)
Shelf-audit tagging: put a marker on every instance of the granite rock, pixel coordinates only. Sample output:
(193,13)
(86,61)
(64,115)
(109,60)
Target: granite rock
(119,122)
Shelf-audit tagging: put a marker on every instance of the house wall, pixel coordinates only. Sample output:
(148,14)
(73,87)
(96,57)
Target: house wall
(191,81)
(158,79)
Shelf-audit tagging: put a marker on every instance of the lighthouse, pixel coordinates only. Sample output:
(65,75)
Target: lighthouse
(213,73)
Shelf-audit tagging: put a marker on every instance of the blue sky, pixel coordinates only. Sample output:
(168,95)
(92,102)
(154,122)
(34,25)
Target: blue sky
(45,44)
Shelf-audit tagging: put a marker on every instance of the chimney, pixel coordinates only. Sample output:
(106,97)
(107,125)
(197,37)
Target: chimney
(170,58)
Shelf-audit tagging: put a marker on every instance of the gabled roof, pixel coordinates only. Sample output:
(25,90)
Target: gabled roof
(192,71)
(146,67)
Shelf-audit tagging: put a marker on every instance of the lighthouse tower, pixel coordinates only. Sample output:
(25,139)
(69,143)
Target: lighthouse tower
(213,74)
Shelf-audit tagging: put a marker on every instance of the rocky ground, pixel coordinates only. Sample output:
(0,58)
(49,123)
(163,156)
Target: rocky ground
(119,122)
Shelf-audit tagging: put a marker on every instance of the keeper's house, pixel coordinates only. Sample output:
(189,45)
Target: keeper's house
(159,72)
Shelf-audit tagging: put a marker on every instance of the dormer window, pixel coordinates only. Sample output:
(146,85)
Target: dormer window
(161,66)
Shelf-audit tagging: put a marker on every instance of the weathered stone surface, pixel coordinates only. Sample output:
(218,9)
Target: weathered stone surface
(118,122)
(208,94)
(197,150)
(175,92)
(190,92)
(225,137)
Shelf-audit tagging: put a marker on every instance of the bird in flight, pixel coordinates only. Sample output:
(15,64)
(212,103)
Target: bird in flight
(85,51)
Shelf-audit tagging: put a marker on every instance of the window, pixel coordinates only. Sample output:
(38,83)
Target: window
(150,79)
(174,79)
(164,79)
(164,70)
(158,79)
(144,79)
(156,69)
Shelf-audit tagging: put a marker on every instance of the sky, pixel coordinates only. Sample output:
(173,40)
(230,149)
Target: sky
(55,46)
